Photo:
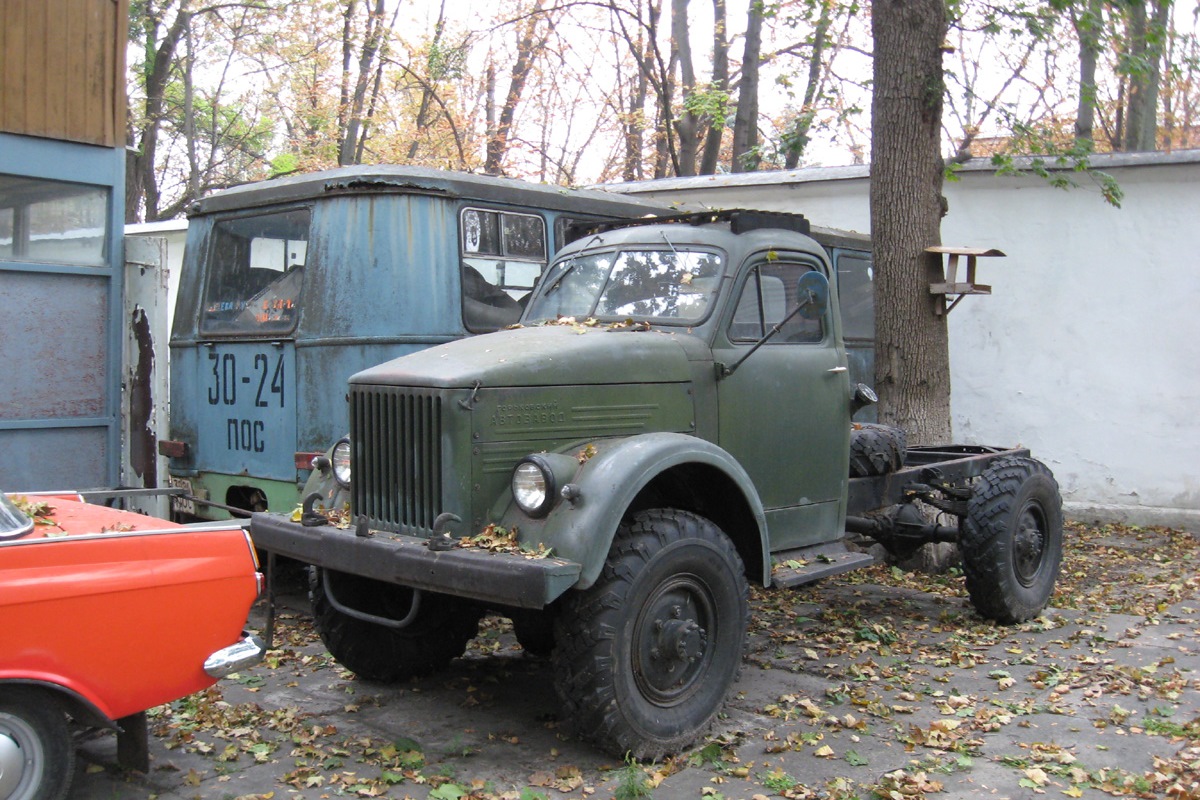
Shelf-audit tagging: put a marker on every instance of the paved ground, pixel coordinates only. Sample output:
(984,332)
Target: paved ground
(881,684)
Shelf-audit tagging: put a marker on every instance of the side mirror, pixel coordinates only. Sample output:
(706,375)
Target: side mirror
(812,295)
(861,397)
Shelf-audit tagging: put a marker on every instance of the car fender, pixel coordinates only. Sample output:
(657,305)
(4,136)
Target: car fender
(76,699)
(611,474)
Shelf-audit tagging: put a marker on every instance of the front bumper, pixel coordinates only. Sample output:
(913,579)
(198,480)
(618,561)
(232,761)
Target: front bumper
(246,653)
(509,579)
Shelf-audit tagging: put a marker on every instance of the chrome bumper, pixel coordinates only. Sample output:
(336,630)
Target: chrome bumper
(246,653)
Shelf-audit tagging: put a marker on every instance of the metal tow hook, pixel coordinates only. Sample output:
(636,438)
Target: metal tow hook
(441,540)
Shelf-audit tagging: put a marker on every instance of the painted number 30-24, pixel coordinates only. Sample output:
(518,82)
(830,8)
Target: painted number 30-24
(264,380)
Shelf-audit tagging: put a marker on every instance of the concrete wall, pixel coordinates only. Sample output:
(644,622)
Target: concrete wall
(1088,350)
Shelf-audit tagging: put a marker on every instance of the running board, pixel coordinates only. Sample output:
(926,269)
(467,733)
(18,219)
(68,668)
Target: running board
(807,564)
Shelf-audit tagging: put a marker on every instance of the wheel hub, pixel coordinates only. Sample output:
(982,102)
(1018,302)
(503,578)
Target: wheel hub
(679,641)
(671,641)
(1029,544)
(12,764)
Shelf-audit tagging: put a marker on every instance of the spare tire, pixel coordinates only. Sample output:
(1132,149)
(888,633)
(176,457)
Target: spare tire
(876,449)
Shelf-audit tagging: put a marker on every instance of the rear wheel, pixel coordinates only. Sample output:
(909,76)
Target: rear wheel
(646,655)
(1011,539)
(37,758)
(438,633)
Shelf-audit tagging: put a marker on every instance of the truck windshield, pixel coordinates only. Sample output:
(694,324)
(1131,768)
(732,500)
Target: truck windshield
(669,286)
(255,268)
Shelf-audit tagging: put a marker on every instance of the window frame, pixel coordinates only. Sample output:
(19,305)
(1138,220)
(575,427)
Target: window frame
(753,269)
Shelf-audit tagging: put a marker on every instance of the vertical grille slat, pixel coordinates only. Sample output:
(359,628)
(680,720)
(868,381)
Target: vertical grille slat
(397,440)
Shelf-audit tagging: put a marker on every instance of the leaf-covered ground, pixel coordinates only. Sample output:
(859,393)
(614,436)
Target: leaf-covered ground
(877,684)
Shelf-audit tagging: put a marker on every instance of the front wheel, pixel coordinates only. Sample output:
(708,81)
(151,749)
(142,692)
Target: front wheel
(37,759)
(646,655)
(1011,539)
(439,632)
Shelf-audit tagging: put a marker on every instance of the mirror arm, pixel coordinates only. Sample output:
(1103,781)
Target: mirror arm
(725,370)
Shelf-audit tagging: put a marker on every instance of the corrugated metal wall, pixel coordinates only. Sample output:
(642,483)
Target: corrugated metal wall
(62,69)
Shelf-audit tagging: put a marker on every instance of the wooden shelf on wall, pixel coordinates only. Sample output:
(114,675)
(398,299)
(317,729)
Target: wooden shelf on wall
(951,285)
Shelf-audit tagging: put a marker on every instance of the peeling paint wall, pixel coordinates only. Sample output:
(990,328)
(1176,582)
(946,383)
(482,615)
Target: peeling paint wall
(1088,350)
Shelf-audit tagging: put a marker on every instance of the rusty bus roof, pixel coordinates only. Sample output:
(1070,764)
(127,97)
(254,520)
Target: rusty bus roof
(394,178)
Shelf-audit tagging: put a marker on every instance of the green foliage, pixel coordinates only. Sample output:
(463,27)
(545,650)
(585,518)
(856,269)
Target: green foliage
(448,791)
(446,62)
(778,781)
(632,783)
(710,103)
(1055,164)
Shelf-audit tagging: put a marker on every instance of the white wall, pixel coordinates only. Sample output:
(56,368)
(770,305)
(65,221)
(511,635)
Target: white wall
(1088,350)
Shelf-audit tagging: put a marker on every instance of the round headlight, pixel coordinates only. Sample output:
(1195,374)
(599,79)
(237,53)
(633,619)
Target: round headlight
(341,463)
(533,486)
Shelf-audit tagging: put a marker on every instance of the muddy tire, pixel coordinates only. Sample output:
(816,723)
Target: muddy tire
(443,627)
(1011,540)
(37,756)
(876,449)
(647,654)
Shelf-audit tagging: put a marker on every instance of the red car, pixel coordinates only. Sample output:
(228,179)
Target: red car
(104,614)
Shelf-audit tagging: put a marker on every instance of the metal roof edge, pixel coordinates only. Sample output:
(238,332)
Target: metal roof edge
(405,178)
(1098,161)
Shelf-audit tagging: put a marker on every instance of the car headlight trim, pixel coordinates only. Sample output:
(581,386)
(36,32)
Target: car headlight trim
(533,486)
(340,456)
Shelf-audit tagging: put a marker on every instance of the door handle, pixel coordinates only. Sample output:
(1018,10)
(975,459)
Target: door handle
(837,369)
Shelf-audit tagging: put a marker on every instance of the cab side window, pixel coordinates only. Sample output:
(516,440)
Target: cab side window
(768,295)
(503,254)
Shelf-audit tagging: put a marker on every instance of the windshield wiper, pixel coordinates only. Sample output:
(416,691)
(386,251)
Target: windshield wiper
(570,265)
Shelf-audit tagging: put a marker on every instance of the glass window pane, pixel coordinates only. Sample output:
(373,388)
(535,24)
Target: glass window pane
(856,296)
(53,222)
(768,296)
(524,236)
(481,232)
(255,269)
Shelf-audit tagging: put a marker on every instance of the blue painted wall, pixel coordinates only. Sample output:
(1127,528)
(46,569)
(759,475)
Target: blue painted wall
(60,341)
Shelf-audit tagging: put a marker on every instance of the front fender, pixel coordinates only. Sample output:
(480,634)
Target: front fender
(606,484)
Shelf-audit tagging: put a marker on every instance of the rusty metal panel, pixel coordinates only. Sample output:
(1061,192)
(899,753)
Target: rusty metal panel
(144,370)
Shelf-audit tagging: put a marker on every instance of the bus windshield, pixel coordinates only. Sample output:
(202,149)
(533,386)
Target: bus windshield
(255,269)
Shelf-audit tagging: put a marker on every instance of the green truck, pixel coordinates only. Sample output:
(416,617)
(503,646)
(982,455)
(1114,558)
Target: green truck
(671,420)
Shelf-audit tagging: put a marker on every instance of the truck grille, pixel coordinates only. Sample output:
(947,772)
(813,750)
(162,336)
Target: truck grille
(396,438)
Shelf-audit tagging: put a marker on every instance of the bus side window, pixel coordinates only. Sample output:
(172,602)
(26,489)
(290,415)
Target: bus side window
(503,255)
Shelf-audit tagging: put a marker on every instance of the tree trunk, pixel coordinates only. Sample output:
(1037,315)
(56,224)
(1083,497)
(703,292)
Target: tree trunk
(797,139)
(720,83)
(350,150)
(1146,37)
(1088,25)
(687,125)
(745,122)
(912,360)
(141,182)
(529,47)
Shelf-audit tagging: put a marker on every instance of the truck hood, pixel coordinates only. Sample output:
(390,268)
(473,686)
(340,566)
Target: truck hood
(546,355)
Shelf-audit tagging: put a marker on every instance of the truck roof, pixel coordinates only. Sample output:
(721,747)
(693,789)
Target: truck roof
(738,221)
(404,179)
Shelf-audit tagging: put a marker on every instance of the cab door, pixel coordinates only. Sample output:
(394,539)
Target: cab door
(784,412)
